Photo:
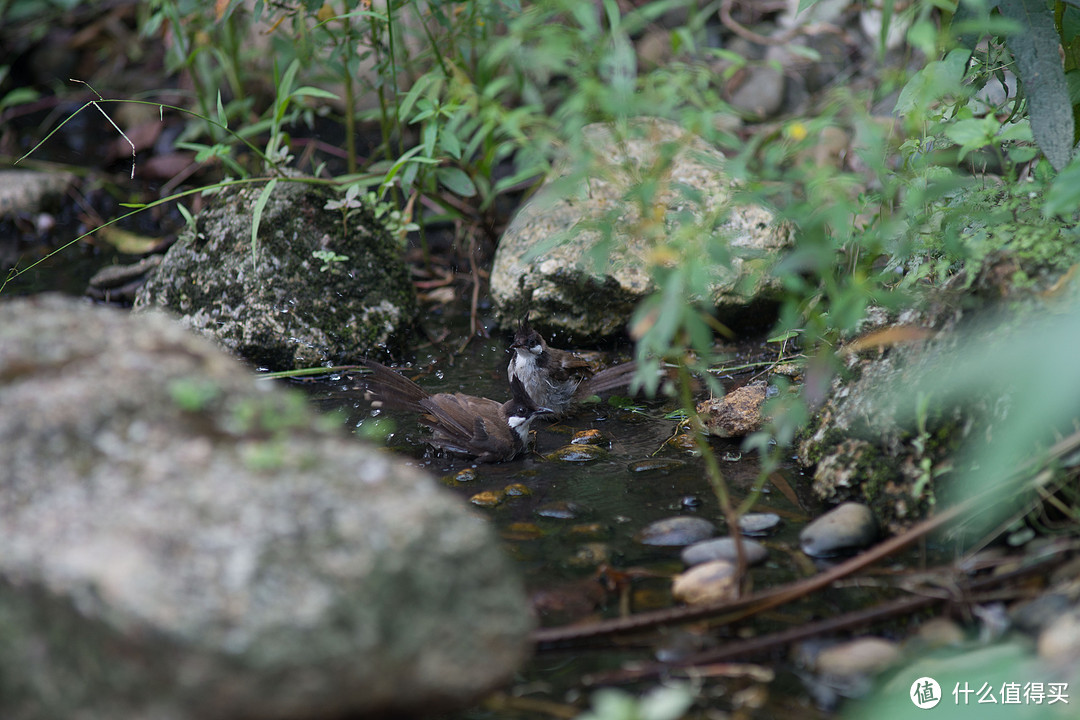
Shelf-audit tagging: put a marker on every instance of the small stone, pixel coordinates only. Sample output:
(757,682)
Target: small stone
(676,531)
(590,437)
(517,490)
(709,582)
(560,510)
(723,549)
(684,441)
(487,498)
(1059,643)
(589,530)
(848,526)
(662,465)
(591,555)
(737,414)
(940,632)
(577,453)
(466,475)
(759,524)
(862,656)
(522,531)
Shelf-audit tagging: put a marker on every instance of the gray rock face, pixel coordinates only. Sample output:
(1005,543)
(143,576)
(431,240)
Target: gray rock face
(282,311)
(181,540)
(563,285)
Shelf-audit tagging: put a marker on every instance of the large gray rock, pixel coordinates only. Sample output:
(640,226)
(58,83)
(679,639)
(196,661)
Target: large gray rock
(562,285)
(281,310)
(181,540)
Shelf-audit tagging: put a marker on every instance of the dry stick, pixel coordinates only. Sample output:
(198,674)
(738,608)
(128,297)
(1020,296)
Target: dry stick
(552,638)
(546,638)
(743,649)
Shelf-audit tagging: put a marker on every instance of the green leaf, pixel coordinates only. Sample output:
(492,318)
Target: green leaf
(456,180)
(972,134)
(256,216)
(223,119)
(1038,63)
(936,80)
(1063,198)
(309,91)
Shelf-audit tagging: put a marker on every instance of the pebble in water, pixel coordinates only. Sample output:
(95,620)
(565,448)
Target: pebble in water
(759,524)
(846,527)
(676,531)
(655,464)
(723,549)
(559,510)
(709,582)
(488,498)
(590,437)
(577,453)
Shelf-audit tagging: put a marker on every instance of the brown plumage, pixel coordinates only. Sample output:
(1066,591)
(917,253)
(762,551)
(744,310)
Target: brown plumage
(461,424)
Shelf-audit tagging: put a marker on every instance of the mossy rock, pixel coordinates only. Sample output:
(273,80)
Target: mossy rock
(272,302)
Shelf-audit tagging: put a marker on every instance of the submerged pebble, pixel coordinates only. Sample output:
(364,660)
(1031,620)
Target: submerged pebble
(466,475)
(759,524)
(676,531)
(591,555)
(709,582)
(577,453)
(487,498)
(517,490)
(560,510)
(655,465)
(848,526)
(522,531)
(590,437)
(723,548)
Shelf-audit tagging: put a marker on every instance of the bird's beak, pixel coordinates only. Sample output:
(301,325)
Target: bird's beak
(544,411)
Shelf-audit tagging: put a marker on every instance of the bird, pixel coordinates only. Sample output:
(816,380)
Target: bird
(557,379)
(475,427)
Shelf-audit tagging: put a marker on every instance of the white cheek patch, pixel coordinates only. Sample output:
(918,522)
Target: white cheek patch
(536,349)
(516,421)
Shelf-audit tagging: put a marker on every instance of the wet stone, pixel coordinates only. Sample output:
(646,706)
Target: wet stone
(487,498)
(591,555)
(577,453)
(590,437)
(1059,642)
(559,510)
(661,465)
(517,490)
(862,656)
(723,549)
(684,441)
(676,531)
(466,475)
(759,524)
(846,527)
(710,582)
(589,530)
(522,531)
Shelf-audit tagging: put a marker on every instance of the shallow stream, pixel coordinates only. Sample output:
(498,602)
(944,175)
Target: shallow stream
(571,525)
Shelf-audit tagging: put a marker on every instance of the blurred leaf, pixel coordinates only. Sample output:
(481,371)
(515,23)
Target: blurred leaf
(456,180)
(1063,198)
